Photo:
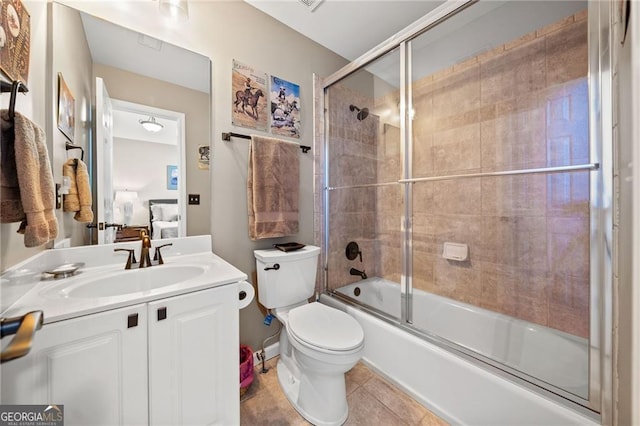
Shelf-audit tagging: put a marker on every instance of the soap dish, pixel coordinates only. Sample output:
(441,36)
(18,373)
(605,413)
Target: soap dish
(286,247)
(65,270)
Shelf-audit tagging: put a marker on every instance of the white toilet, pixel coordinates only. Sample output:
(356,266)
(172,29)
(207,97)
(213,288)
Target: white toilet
(318,344)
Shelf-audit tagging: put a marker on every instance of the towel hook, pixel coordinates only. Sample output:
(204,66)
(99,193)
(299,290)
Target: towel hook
(15,88)
(69,146)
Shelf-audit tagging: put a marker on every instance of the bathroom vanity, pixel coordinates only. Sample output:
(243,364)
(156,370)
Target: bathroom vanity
(145,354)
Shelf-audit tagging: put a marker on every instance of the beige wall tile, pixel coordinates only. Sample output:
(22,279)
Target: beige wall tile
(514,141)
(516,241)
(457,280)
(455,149)
(567,54)
(424,271)
(568,245)
(456,196)
(517,292)
(568,194)
(424,233)
(457,93)
(520,71)
(569,319)
(514,195)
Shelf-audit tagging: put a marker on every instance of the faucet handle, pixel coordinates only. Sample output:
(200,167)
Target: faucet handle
(130,259)
(157,256)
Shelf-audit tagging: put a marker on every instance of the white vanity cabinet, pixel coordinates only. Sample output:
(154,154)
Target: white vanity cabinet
(172,361)
(193,358)
(97,361)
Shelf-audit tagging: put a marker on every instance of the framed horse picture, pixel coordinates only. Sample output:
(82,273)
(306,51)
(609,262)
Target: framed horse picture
(249,100)
(285,108)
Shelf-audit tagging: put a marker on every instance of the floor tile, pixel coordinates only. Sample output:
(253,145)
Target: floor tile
(372,401)
(398,402)
(365,409)
(356,377)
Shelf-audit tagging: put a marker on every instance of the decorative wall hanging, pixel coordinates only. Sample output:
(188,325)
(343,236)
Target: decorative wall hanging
(249,102)
(15,40)
(66,109)
(172,177)
(203,157)
(285,108)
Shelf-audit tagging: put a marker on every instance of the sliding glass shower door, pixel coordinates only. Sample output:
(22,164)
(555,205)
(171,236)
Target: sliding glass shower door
(499,126)
(365,202)
(466,164)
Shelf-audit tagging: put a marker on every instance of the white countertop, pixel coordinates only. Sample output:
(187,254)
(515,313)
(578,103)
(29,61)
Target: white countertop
(35,291)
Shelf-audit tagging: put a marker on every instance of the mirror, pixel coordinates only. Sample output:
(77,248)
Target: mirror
(121,80)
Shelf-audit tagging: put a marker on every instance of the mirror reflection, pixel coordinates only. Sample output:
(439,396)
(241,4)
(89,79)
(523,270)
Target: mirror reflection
(143,123)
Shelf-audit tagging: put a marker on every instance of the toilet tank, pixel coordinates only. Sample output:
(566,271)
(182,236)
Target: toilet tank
(294,279)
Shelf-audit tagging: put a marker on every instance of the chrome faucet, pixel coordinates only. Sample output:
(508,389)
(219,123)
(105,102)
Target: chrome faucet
(355,271)
(145,259)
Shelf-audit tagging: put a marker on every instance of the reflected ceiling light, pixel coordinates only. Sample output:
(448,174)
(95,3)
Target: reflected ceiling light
(151,125)
(176,9)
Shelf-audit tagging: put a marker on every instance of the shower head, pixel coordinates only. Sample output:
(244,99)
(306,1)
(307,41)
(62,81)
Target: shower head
(362,113)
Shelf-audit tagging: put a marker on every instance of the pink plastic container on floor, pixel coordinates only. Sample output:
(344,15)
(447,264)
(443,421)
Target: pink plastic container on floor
(246,368)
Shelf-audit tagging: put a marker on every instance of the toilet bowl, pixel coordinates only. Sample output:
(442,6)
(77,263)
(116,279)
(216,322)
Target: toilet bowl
(318,344)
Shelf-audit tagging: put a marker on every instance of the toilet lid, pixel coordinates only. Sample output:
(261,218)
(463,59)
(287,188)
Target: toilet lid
(325,327)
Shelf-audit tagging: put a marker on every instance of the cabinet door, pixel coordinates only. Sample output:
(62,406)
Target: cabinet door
(194,358)
(94,365)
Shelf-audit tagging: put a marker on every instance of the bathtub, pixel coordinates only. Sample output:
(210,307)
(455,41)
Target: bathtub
(460,391)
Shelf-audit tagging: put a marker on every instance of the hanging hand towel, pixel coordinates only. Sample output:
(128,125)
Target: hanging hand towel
(272,188)
(70,201)
(79,197)
(32,172)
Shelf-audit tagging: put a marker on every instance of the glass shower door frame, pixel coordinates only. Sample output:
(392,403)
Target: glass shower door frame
(601,204)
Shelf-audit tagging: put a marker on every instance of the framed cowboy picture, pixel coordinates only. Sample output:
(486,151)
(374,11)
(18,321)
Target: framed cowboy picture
(249,97)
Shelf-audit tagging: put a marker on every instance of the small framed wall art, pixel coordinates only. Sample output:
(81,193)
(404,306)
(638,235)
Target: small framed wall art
(15,40)
(66,109)
(172,177)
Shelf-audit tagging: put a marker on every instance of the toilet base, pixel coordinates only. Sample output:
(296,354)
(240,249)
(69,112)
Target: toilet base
(290,382)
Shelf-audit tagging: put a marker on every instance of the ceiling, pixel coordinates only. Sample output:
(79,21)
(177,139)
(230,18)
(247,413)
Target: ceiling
(145,55)
(347,27)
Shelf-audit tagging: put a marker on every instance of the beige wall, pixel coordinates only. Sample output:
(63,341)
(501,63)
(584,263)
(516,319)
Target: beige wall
(195,105)
(72,59)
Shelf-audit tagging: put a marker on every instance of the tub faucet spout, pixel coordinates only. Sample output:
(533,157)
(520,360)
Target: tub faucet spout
(355,271)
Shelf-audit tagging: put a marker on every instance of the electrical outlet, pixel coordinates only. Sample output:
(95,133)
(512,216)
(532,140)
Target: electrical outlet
(194,198)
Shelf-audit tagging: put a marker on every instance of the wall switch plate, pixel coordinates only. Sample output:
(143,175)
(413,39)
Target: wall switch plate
(58,196)
(194,198)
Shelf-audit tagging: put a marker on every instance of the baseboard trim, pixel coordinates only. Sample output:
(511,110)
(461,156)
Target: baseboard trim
(270,351)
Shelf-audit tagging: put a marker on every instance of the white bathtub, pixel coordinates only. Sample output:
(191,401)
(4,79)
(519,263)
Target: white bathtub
(453,387)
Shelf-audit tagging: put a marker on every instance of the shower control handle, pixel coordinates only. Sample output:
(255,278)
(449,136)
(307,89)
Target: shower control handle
(275,267)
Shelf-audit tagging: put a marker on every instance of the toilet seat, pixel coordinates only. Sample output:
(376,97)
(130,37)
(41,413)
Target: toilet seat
(324,328)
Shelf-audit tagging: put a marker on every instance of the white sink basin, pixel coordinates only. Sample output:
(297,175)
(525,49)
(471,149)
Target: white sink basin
(125,282)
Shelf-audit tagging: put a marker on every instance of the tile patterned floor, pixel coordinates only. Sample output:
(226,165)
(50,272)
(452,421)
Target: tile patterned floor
(372,401)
